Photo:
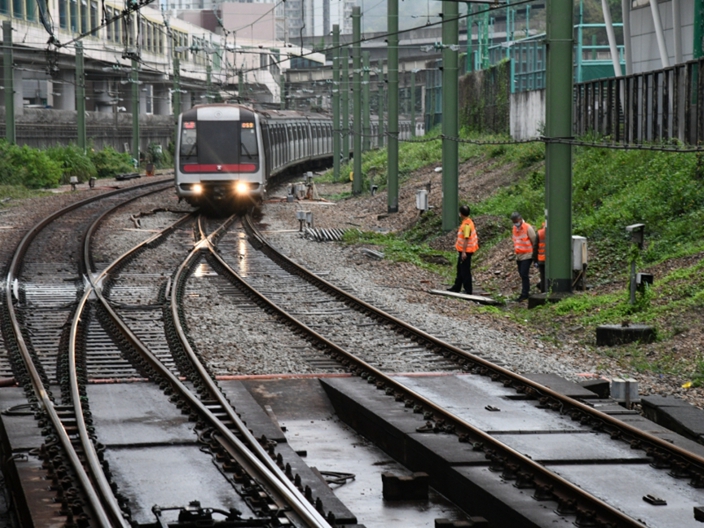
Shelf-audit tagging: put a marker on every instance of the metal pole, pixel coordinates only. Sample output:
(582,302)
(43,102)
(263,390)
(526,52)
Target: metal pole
(345,111)
(382,96)
(366,112)
(135,110)
(469,62)
(80,99)
(413,103)
(8,59)
(240,85)
(558,157)
(282,91)
(336,102)
(392,69)
(450,119)
(208,84)
(356,90)
(177,89)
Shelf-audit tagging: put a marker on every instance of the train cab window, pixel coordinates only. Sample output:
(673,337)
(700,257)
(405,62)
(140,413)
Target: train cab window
(248,143)
(189,146)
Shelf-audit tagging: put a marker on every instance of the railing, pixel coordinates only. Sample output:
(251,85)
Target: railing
(653,107)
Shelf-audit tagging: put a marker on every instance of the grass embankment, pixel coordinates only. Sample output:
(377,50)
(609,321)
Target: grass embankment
(611,189)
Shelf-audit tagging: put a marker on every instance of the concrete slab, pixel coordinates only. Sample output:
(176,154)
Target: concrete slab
(625,486)
(303,408)
(675,414)
(572,448)
(170,476)
(20,431)
(486,404)
(561,385)
(127,414)
(251,411)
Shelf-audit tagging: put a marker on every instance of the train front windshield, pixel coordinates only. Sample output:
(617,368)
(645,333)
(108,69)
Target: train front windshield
(219,146)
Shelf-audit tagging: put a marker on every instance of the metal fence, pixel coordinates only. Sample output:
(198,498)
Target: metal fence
(654,107)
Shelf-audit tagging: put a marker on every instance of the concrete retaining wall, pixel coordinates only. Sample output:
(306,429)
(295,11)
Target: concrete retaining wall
(40,128)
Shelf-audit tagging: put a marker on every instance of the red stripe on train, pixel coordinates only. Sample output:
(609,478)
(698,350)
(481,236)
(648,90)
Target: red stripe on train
(233,167)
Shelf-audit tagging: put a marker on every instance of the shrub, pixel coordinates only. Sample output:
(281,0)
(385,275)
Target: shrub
(28,167)
(73,162)
(109,162)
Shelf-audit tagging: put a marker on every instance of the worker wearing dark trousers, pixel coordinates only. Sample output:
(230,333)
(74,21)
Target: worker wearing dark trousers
(525,244)
(540,263)
(467,243)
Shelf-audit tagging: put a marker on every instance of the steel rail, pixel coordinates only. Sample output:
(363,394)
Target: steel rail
(275,476)
(536,387)
(559,486)
(45,402)
(280,483)
(91,454)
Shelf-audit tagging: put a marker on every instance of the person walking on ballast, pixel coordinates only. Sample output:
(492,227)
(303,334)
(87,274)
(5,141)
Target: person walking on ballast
(467,243)
(525,244)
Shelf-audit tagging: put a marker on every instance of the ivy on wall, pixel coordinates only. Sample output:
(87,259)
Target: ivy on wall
(484,99)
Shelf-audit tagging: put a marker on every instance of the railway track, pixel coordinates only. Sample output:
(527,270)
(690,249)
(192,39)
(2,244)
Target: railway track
(108,333)
(120,388)
(658,458)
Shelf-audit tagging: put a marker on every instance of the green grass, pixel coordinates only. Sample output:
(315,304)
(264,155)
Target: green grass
(611,189)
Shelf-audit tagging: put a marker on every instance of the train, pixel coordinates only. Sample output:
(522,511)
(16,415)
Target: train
(227,153)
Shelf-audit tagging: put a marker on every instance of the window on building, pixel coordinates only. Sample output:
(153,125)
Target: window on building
(4,7)
(85,18)
(73,15)
(63,19)
(30,7)
(94,18)
(17,6)
(149,96)
(110,29)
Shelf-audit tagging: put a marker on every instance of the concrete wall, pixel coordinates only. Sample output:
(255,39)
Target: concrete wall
(40,128)
(644,45)
(527,114)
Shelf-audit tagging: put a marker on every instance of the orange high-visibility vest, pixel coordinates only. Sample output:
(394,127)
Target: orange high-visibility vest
(541,244)
(473,243)
(521,240)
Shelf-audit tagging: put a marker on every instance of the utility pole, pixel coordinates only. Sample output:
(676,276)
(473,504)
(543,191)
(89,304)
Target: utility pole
(366,111)
(282,91)
(381,94)
(10,133)
(345,112)
(450,118)
(558,157)
(392,69)
(177,89)
(80,98)
(356,89)
(240,85)
(135,110)
(413,103)
(336,102)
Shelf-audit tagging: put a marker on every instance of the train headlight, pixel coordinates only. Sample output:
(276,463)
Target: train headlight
(197,188)
(241,187)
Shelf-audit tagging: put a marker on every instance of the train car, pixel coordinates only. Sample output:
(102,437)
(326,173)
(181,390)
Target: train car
(226,154)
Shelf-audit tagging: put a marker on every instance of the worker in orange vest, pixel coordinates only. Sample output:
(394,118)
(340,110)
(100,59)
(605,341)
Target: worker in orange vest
(467,243)
(540,263)
(525,244)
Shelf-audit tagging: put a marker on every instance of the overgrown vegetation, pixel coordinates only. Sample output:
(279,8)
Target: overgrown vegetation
(611,189)
(28,168)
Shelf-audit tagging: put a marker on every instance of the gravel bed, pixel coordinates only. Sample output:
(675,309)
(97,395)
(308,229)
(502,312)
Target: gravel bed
(399,288)
(402,288)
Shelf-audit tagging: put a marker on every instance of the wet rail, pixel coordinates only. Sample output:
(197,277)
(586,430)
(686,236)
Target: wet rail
(86,496)
(506,461)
